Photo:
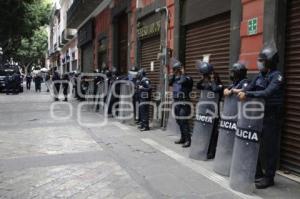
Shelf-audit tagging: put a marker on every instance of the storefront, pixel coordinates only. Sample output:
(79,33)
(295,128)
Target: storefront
(290,144)
(121,36)
(208,34)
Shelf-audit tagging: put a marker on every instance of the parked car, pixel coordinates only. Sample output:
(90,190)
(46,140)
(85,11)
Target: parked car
(11,73)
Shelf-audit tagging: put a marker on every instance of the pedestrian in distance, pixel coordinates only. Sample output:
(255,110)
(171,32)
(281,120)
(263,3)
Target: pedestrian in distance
(38,81)
(56,83)
(65,86)
(28,81)
(48,79)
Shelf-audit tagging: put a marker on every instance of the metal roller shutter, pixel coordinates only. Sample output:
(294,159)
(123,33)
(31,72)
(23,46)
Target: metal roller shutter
(290,145)
(149,50)
(87,58)
(209,36)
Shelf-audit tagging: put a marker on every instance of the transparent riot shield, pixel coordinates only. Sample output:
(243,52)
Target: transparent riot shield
(126,109)
(172,126)
(227,129)
(90,96)
(206,113)
(100,98)
(246,145)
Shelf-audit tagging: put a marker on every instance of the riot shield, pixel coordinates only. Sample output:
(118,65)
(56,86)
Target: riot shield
(89,96)
(100,98)
(126,110)
(206,113)
(246,145)
(227,129)
(172,126)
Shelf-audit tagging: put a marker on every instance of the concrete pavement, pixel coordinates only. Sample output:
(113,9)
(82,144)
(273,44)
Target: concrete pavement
(45,156)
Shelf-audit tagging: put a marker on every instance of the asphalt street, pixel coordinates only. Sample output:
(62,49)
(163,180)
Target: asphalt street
(55,150)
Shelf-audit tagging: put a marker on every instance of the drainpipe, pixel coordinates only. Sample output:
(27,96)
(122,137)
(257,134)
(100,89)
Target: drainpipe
(165,54)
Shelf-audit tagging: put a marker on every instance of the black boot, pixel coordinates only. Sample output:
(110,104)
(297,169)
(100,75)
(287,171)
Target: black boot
(180,141)
(145,129)
(187,142)
(264,183)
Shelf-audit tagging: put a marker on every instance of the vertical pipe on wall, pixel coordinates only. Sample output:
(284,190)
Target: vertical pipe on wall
(235,23)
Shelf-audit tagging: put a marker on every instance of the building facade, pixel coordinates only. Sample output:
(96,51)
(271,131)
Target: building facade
(62,41)
(123,33)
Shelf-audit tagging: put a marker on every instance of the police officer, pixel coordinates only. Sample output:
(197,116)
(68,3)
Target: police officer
(38,81)
(113,76)
(269,86)
(144,93)
(238,76)
(210,81)
(182,86)
(133,77)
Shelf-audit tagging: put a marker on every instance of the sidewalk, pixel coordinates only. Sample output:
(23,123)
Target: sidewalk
(162,141)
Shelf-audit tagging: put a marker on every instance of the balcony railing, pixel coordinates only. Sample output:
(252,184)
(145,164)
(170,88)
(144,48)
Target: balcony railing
(79,11)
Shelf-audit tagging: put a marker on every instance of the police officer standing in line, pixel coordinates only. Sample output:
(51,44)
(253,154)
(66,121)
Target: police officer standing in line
(238,76)
(114,76)
(211,82)
(269,86)
(182,86)
(144,93)
(132,76)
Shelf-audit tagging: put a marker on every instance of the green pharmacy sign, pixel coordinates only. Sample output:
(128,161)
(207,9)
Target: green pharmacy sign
(252,26)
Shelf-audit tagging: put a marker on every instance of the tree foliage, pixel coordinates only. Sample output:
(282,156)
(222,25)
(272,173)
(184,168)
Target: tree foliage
(19,19)
(32,50)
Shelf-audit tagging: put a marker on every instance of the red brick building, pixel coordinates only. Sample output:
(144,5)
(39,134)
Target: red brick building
(129,32)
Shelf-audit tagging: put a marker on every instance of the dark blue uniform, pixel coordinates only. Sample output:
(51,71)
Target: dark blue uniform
(239,84)
(270,87)
(144,93)
(182,86)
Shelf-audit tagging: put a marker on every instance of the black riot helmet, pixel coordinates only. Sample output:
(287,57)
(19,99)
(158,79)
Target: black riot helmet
(141,73)
(268,58)
(108,73)
(238,71)
(114,71)
(204,68)
(132,73)
(175,64)
(134,68)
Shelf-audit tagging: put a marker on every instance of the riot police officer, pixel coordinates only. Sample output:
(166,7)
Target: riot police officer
(133,77)
(238,76)
(211,82)
(269,86)
(144,94)
(113,76)
(182,86)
